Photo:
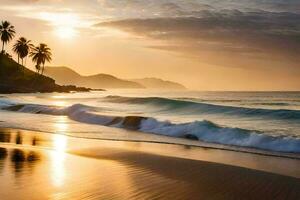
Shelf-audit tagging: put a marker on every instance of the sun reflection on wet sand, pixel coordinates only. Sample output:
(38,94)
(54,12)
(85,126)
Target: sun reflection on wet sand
(112,170)
(58,160)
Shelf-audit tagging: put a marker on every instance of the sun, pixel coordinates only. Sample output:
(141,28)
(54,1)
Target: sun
(64,25)
(65,32)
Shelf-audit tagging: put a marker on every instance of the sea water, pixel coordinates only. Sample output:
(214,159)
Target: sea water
(259,120)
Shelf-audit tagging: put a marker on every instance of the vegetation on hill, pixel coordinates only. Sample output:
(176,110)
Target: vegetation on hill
(15,77)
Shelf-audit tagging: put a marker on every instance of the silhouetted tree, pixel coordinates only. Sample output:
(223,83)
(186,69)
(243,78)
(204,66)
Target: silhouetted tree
(40,55)
(22,48)
(38,68)
(7,32)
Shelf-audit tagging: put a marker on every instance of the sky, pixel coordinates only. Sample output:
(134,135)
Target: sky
(203,44)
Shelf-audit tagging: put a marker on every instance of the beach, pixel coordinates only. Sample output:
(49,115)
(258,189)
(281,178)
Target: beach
(36,165)
(149,100)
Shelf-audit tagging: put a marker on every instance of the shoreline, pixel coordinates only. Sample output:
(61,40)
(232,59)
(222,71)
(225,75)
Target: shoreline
(87,146)
(114,173)
(191,143)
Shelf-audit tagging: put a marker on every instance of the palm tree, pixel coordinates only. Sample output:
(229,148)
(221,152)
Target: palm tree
(22,48)
(38,68)
(40,55)
(7,32)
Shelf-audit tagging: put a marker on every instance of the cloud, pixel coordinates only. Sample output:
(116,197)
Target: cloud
(247,36)
(187,7)
(254,32)
(15,2)
(150,8)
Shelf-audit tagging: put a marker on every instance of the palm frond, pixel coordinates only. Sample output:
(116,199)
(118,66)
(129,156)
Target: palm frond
(41,54)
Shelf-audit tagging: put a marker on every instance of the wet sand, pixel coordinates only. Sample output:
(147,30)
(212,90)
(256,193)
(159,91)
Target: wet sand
(44,166)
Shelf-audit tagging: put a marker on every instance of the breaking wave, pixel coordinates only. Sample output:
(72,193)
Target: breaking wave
(205,131)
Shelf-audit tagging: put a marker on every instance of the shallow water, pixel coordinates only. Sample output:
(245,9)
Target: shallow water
(261,120)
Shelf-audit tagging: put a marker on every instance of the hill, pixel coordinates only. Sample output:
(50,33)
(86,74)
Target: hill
(65,75)
(155,83)
(15,78)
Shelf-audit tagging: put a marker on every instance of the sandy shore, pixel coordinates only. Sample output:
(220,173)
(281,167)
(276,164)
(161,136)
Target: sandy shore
(36,166)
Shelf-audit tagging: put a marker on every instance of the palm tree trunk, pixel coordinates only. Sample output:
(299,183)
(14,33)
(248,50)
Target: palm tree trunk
(2,47)
(43,69)
(18,59)
(23,66)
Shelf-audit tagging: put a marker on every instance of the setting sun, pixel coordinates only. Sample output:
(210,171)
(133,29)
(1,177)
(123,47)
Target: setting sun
(65,32)
(64,24)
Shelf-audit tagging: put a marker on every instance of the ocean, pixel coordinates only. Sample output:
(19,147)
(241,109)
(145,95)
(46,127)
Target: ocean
(267,121)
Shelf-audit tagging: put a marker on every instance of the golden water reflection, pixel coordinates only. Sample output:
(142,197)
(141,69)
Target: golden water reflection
(58,96)
(61,124)
(60,103)
(22,159)
(59,144)
(58,160)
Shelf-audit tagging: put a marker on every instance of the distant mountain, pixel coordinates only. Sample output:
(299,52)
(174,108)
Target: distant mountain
(66,76)
(155,83)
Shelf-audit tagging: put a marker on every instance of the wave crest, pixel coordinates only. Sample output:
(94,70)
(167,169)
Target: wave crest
(190,107)
(198,130)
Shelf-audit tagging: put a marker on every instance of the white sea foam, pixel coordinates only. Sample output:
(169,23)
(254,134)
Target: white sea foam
(201,130)
(209,132)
